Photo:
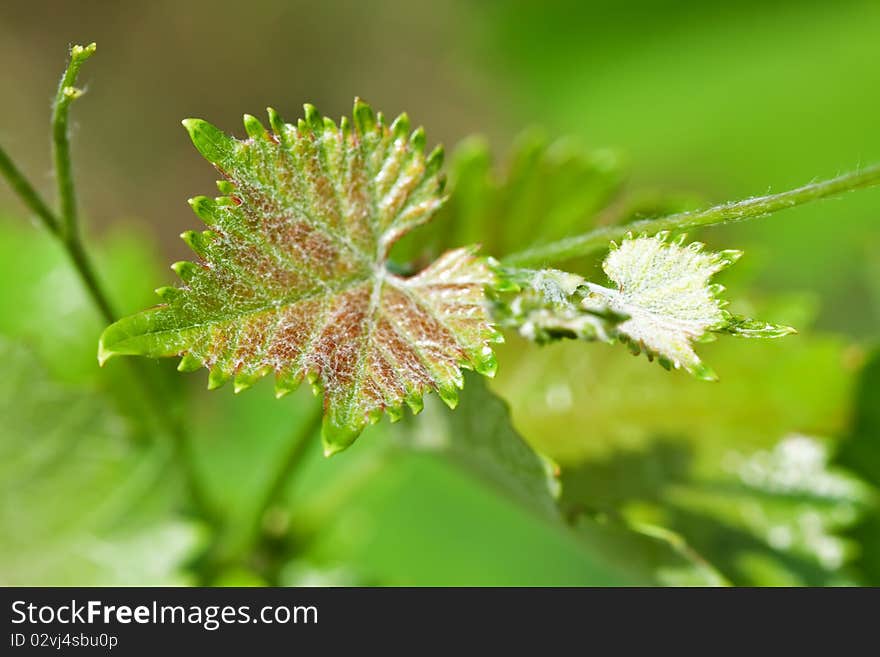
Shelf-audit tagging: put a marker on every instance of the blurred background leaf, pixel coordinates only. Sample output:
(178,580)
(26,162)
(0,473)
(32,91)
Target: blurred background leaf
(860,452)
(81,503)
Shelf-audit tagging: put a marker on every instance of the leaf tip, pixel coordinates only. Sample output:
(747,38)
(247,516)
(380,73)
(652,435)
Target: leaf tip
(185,269)
(167,293)
(104,354)
(487,363)
(418,140)
(400,126)
(253,127)
(208,139)
(285,383)
(449,395)
(313,118)
(189,363)
(704,372)
(337,438)
(364,118)
(217,378)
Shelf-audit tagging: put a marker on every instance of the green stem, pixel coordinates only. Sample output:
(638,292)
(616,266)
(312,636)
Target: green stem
(241,540)
(83,266)
(68,226)
(66,229)
(292,460)
(26,193)
(65,95)
(599,239)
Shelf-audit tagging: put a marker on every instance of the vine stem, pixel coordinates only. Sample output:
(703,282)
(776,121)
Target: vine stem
(65,95)
(65,227)
(240,541)
(293,458)
(68,226)
(600,238)
(26,193)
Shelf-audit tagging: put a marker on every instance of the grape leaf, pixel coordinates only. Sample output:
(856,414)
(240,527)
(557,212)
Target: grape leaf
(294,278)
(664,289)
(663,302)
(480,439)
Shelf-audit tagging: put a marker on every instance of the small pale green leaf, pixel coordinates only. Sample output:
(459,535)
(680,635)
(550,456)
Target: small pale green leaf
(293,278)
(663,287)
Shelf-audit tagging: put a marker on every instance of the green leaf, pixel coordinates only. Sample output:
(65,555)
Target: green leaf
(860,453)
(662,305)
(788,500)
(632,445)
(663,288)
(82,505)
(480,439)
(293,278)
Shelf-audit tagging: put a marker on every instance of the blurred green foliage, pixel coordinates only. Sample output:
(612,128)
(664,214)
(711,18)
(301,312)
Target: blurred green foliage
(657,471)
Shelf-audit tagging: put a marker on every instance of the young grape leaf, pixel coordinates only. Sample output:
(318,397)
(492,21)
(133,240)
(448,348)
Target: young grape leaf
(294,279)
(663,302)
(663,287)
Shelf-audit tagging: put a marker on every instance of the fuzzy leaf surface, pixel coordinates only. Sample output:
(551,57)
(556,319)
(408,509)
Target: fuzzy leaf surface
(663,288)
(293,278)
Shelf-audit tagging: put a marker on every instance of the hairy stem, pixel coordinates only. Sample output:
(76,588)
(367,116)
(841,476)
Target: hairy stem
(68,226)
(66,94)
(759,206)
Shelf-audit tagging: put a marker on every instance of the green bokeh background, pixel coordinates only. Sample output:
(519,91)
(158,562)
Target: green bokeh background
(714,101)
